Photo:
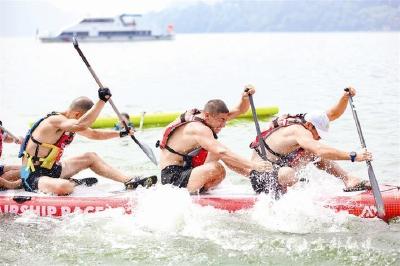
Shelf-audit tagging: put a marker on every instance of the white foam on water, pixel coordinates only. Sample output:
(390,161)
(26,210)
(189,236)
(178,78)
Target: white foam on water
(31,217)
(160,210)
(301,210)
(168,209)
(163,209)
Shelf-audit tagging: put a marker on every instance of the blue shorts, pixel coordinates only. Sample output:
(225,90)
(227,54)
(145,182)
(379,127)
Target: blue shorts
(30,179)
(1,170)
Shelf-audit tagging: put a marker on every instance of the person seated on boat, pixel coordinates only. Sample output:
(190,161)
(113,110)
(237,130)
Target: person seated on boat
(43,147)
(118,126)
(9,174)
(190,151)
(291,142)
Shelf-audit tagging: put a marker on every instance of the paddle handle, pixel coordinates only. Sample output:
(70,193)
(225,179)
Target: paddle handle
(357,121)
(254,113)
(371,174)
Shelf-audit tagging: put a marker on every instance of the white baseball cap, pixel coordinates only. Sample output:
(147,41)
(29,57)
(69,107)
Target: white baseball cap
(320,121)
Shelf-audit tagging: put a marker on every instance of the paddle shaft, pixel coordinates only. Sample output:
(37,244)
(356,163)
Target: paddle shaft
(372,179)
(260,140)
(96,78)
(9,133)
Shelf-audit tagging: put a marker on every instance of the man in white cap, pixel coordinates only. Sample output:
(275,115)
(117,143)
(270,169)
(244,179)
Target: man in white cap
(291,142)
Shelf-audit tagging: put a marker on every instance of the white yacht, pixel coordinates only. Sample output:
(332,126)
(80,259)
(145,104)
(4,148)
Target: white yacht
(104,29)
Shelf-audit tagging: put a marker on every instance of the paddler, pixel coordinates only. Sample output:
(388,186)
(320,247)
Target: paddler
(118,126)
(9,174)
(191,155)
(292,141)
(43,147)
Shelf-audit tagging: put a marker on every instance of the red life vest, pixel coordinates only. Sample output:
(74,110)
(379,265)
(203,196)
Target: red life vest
(290,159)
(194,158)
(65,139)
(200,158)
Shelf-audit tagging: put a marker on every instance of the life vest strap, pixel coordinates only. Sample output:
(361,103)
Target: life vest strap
(168,148)
(46,162)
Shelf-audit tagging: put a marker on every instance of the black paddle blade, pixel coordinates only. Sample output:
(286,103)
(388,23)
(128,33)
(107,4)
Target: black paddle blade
(377,193)
(146,149)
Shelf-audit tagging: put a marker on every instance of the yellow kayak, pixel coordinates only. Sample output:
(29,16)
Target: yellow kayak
(147,120)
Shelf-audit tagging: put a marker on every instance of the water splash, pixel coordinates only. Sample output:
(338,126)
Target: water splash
(163,209)
(300,210)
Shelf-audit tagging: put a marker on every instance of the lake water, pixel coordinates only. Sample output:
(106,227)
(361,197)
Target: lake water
(296,71)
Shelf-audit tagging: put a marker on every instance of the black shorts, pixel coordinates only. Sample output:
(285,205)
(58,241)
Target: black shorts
(266,182)
(1,170)
(176,175)
(30,179)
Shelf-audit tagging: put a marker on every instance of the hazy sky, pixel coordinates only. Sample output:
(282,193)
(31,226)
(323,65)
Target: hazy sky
(43,15)
(112,7)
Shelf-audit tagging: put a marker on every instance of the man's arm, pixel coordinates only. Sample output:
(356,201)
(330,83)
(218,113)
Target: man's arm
(305,140)
(84,122)
(9,139)
(337,110)
(103,134)
(242,171)
(76,125)
(244,104)
(204,137)
(99,134)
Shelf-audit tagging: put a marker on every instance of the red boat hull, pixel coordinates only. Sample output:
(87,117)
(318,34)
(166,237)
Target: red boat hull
(360,204)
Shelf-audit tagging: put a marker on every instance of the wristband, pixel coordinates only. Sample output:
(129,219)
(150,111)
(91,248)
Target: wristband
(353,156)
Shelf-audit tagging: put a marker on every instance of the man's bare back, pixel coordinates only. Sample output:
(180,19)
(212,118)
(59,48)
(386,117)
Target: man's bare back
(45,133)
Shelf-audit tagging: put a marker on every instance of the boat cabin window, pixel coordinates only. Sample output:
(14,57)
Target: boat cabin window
(125,33)
(76,33)
(129,20)
(97,20)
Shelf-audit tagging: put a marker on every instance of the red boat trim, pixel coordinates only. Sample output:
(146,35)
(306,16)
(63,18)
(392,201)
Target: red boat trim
(360,204)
